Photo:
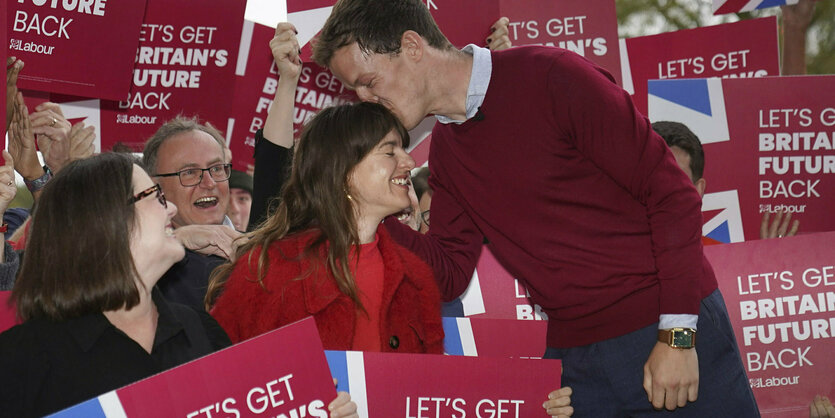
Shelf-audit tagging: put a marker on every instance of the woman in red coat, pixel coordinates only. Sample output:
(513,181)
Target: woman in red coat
(322,254)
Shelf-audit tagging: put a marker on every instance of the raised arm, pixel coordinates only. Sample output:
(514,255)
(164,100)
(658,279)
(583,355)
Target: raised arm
(795,21)
(22,149)
(273,145)
(278,127)
(13,67)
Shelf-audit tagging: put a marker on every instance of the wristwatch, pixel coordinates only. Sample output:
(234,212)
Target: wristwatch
(678,337)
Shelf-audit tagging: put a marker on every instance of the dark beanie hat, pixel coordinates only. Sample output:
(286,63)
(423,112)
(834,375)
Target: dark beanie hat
(240,180)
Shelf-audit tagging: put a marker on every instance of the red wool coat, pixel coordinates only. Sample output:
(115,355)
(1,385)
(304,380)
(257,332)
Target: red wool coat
(410,320)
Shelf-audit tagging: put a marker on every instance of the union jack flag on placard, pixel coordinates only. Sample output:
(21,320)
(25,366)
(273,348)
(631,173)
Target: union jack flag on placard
(735,6)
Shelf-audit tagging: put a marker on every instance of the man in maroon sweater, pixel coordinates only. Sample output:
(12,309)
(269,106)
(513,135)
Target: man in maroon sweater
(539,151)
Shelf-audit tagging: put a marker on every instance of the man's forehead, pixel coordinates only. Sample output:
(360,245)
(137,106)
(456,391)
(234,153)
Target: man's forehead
(350,64)
(192,148)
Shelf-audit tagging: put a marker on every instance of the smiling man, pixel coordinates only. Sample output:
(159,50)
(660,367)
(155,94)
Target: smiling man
(187,159)
(540,152)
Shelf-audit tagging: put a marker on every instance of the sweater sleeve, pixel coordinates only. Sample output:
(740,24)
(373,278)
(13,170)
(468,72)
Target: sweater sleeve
(272,169)
(608,130)
(452,245)
(9,267)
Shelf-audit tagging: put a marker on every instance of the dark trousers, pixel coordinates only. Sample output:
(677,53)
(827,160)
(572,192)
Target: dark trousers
(607,377)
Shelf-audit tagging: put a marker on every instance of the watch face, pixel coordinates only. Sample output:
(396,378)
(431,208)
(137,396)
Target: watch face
(682,338)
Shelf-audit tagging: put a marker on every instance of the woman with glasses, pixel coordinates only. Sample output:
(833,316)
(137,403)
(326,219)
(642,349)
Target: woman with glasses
(93,320)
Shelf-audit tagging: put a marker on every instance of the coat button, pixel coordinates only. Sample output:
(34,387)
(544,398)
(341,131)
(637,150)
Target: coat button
(394,342)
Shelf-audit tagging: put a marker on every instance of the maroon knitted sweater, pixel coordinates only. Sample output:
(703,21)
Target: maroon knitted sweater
(580,200)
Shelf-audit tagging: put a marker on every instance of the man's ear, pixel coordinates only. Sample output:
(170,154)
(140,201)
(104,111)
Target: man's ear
(412,45)
(700,186)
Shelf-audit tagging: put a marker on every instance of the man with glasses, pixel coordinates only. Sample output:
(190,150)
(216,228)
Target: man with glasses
(187,158)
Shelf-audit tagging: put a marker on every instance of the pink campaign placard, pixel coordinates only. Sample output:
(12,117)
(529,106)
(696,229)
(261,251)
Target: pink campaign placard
(8,315)
(83,48)
(769,145)
(493,293)
(465,21)
(184,65)
(502,295)
(494,337)
(435,386)
(279,374)
(780,295)
(587,27)
(255,89)
(743,49)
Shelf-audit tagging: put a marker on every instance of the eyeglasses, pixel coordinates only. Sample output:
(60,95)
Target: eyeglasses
(193,176)
(425,216)
(147,192)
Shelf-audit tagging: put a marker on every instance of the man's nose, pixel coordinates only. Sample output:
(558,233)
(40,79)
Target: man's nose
(364,93)
(207,181)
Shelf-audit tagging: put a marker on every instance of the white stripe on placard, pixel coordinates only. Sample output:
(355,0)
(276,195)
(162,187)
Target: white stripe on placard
(625,68)
(356,381)
(309,23)
(751,5)
(465,330)
(472,299)
(243,49)
(111,405)
(230,124)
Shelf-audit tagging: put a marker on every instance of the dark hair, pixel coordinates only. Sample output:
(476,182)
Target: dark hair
(78,259)
(316,198)
(677,134)
(420,181)
(376,26)
(178,125)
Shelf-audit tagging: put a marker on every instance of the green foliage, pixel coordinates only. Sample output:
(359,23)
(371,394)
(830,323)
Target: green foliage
(822,39)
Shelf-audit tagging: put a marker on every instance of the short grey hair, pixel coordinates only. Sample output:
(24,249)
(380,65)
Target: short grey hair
(178,125)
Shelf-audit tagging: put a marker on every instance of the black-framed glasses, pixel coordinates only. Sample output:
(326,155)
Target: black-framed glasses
(425,216)
(193,176)
(147,192)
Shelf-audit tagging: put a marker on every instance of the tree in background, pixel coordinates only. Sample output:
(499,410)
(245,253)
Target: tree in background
(649,17)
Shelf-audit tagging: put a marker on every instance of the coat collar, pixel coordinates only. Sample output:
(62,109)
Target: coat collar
(320,288)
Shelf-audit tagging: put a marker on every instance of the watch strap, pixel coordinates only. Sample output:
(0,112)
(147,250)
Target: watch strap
(678,337)
(39,183)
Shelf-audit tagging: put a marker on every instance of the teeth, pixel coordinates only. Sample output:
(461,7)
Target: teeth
(169,231)
(209,199)
(401,181)
(404,214)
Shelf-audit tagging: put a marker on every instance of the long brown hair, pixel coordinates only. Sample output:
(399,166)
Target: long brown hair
(78,260)
(315,197)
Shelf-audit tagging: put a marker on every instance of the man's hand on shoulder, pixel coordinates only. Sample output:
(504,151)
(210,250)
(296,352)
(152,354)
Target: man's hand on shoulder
(671,376)
(216,240)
